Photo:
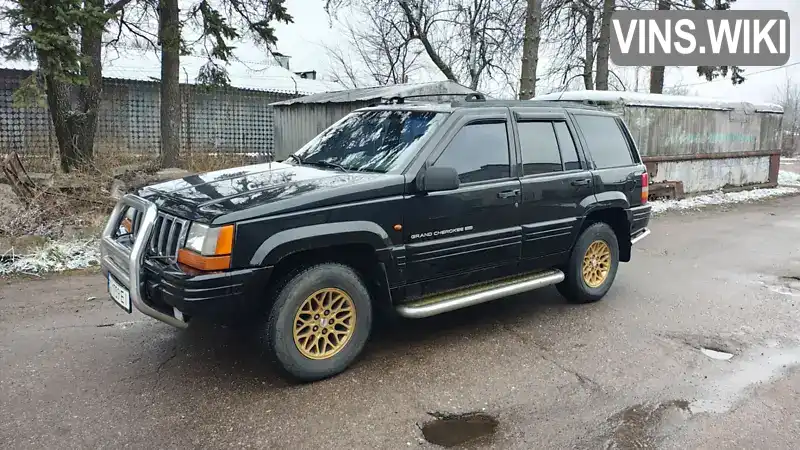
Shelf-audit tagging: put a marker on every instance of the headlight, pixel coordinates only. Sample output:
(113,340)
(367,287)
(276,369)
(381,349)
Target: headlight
(210,241)
(196,237)
(207,249)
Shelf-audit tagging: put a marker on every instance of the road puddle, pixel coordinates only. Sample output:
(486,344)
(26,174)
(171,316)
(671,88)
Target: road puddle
(456,430)
(716,354)
(642,425)
(788,285)
(724,392)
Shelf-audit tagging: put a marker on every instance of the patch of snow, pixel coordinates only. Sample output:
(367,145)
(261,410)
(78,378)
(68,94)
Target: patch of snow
(721,198)
(662,100)
(56,256)
(787,178)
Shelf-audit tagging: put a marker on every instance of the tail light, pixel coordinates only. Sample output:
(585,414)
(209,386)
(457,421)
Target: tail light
(645,187)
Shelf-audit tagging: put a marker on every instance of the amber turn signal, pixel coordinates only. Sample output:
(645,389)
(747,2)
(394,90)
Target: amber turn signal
(225,240)
(203,263)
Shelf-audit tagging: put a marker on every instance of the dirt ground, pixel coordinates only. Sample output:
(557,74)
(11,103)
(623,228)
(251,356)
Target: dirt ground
(628,372)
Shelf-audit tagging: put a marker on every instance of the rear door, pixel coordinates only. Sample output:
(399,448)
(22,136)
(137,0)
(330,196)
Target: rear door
(556,184)
(470,234)
(617,167)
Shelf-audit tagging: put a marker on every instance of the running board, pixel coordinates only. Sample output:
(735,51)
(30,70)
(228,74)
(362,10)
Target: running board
(470,296)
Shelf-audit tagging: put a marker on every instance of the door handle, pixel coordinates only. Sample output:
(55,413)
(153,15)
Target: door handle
(508,194)
(582,182)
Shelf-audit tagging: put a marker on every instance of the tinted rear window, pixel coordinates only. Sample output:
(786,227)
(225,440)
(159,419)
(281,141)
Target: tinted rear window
(607,144)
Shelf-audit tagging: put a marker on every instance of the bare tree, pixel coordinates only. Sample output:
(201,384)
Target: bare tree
(530,49)
(468,41)
(709,72)
(569,30)
(382,47)
(788,96)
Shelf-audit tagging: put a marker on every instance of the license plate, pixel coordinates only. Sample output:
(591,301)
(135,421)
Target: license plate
(119,294)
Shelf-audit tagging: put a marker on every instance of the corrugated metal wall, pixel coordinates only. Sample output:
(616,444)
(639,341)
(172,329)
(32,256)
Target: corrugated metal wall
(707,149)
(673,132)
(297,124)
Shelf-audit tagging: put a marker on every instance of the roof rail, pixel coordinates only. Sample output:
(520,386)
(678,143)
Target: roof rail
(397,99)
(475,97)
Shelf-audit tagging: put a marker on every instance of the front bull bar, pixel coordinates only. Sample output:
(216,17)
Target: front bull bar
(124,263)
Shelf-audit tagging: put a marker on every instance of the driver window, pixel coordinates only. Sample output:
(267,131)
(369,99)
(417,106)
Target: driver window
(479,152)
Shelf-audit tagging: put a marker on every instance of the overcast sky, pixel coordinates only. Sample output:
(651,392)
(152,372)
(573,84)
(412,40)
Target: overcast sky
(303,41)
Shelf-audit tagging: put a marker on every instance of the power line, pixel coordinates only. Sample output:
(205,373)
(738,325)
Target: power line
(746,74)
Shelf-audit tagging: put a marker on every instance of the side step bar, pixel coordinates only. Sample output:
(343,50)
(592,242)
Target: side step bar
(442,303)
(640,236)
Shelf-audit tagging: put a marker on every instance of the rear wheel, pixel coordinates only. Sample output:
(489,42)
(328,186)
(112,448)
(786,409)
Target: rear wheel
(320,322)
(592,266)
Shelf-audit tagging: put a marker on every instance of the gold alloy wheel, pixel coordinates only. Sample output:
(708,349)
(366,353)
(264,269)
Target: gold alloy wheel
(324,323)
(596,264)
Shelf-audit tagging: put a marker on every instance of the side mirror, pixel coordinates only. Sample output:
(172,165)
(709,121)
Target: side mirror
(435,178)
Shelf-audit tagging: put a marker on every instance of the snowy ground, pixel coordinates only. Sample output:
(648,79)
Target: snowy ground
(56,256)
(789,184)
(70,255)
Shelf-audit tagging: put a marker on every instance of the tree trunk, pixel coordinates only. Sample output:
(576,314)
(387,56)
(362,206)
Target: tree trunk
(73,109)
(169,36)
(657,79)
(59,103)
(89,94)
(588,61)
(657,72)
(604,46)
(530,50)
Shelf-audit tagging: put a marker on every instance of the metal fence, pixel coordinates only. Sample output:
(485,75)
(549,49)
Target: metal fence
(214,120)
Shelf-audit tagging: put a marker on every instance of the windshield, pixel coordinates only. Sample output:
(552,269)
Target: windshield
(372,141)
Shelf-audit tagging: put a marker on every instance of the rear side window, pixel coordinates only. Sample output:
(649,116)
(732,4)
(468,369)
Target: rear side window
(479,152)
(539,148)
(605,141)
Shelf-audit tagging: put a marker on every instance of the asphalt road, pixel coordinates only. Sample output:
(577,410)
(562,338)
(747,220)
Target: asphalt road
(628,372)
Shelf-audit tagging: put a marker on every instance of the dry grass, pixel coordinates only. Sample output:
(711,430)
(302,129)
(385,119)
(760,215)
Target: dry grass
(77,203)
(208,161)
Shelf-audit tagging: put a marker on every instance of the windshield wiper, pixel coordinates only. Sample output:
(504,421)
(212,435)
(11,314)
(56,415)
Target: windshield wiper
(327,164)
(296,158)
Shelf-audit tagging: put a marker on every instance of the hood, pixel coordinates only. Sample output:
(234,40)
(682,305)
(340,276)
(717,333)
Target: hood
(262,189)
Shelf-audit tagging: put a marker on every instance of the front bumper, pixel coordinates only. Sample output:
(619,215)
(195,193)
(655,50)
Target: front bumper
(159,288)
(214,295)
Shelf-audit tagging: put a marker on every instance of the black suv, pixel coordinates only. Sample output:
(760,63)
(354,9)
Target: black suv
(417,209)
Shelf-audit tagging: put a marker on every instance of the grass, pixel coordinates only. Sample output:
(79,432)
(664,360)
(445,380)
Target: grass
(81,200)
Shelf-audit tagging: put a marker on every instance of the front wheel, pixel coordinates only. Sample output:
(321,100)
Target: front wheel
(320,322)
(592,266)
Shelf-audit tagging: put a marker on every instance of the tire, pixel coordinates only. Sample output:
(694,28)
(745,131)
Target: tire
(575,288)
(342,289)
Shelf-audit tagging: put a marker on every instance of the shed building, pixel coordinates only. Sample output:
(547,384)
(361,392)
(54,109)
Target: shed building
(299,120)
(693,145)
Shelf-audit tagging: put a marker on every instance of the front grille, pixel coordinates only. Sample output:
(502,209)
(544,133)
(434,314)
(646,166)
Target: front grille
(169,232)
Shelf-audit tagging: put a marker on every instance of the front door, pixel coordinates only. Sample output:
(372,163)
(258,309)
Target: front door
(556,184)
(471,234)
